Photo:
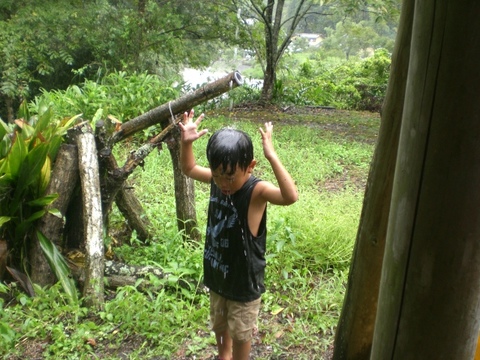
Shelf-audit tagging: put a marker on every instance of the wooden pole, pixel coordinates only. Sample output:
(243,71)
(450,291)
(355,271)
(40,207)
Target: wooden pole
(354,335)
(429,303)
(93,219)
(163,113)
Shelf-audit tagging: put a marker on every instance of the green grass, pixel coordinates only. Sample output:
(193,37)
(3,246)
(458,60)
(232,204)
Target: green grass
(309,250)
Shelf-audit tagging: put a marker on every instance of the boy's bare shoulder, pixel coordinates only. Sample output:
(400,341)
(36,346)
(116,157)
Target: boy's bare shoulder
(265,191)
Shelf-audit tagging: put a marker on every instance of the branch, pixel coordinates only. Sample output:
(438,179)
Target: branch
(163,113)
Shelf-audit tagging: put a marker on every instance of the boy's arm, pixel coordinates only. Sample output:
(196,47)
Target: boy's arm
(189,134)
(286,192)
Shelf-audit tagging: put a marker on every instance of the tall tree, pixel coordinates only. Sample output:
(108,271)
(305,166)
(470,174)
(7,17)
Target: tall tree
(278,27)
(429,297)
(429,300)
(354,335)
(270,26)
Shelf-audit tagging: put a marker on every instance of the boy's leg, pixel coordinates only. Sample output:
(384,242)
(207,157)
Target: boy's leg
(241,350)
(218,319)
(224,345)
(242,320)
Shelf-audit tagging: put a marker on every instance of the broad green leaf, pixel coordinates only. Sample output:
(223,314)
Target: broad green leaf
(59,267)
(27,131)
(56,212)
(43,201)
(30,169)
(15,158)
(98,115)
(4,219)
(35,216)
(23,110)
(44,120)
(44,178)
(23,227)
(3,129)
(65,125)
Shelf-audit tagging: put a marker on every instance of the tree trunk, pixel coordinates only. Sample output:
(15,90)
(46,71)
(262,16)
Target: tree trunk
(184,193)
(429,303)
(354,334)
(63,181)
(93,219)
(10,112)
(272,29)
(269,79)
(132,210)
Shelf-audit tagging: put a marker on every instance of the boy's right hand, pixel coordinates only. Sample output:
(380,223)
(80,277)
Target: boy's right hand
(188,127)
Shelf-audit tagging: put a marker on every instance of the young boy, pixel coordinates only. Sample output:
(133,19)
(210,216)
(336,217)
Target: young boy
(234,255)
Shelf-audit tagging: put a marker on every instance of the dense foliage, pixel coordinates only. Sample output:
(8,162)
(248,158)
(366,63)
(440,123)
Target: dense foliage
(27,150)
(53,44)
(356,84)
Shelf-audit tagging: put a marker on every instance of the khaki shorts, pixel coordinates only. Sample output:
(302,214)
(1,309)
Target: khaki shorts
(239,318)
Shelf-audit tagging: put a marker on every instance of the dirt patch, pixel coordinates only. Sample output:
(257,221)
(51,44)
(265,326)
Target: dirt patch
(359,126)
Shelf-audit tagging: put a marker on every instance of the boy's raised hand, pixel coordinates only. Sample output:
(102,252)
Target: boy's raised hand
(189,127)
(267,143)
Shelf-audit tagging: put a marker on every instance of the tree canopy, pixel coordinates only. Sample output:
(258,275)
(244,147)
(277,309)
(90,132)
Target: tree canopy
(53,44)
(56,43)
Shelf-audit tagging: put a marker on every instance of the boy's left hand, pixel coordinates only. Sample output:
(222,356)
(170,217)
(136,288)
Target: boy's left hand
(267,143)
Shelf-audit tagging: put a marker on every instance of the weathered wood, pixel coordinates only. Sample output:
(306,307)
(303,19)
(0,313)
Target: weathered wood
(354,334)
(93,220)
(163,113)
(62,182)
(132,210)
(113,179)
(122,269)
(429,303)
(119,274)
(184,193)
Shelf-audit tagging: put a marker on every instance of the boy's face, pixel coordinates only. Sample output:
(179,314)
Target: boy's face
(230,181)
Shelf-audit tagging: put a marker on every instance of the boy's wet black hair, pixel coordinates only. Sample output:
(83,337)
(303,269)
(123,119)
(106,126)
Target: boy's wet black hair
(229,147)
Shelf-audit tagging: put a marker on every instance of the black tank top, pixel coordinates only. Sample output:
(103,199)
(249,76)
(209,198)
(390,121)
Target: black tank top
(234,259)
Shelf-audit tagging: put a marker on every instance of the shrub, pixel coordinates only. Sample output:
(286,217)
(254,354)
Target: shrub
(353,85)
(119,94)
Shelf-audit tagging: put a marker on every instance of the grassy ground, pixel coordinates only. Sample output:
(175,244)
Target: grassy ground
(328,153)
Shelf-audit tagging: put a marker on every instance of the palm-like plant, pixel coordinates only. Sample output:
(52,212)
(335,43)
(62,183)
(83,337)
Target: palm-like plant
(27,149)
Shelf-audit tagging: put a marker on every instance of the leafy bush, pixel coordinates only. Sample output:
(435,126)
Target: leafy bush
(119,94)
(28,148)
(355,85)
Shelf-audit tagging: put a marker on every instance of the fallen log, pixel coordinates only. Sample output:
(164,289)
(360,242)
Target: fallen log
(119,274)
